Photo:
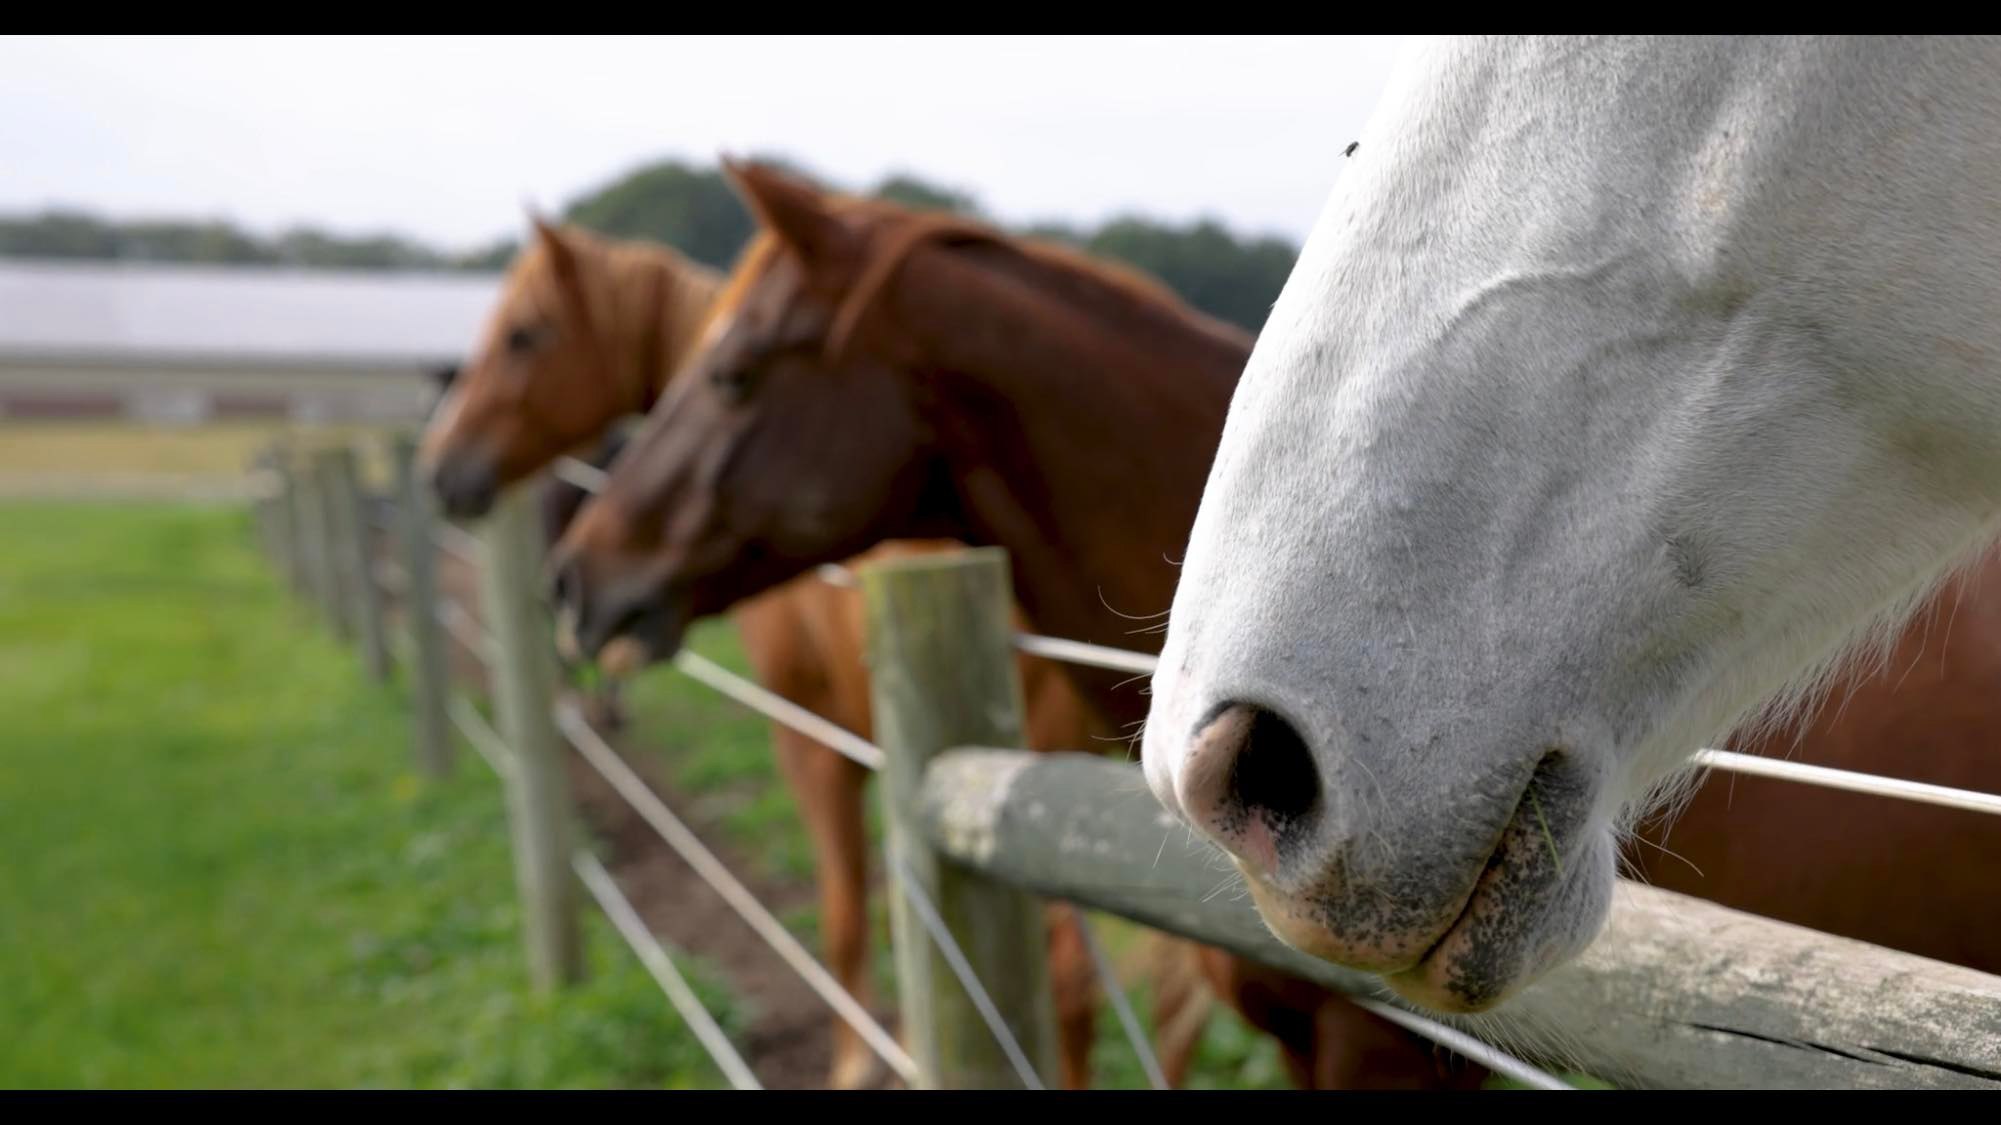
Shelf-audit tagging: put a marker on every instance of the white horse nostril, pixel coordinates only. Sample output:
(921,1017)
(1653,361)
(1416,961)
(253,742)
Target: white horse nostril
(1247,780)
(1203,786)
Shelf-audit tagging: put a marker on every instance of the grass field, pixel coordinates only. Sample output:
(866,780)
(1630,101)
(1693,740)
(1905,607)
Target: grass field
(220,872)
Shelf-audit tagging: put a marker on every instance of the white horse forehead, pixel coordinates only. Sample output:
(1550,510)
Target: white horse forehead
(1616,106)
(1571,185)
(1711,156)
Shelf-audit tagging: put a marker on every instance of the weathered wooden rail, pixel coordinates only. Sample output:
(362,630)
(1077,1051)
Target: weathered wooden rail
(1678,992)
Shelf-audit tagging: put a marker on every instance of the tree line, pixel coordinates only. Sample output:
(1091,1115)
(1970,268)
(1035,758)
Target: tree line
(688,206)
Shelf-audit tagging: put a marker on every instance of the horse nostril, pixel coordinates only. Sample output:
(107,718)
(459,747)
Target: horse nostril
(562,585)
(1249,781)
(1275,773)
(466,484)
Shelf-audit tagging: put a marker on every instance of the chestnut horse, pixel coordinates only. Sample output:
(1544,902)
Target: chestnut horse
(929,376)
(587,331)
(1003,362)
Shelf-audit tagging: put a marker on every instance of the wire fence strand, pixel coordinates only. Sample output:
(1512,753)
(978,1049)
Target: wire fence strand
(1121,1004)
(626,920)
(1088,655)
(480,734)
(602,758)
(590,478)
(467,630)
(1968,799)
(1479,1051)
(941,937)
(392,578)
(1139,663)
(457,542)
(780,709)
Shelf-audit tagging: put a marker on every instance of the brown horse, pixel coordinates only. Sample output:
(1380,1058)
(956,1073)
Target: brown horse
(881,373)
(1909,876)
(874,374)
(589,330)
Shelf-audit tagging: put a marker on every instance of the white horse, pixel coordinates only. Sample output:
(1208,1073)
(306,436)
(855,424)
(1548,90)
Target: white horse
(1621,388)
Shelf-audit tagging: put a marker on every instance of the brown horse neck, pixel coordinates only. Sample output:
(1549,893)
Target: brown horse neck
(659,300)
(1078,413)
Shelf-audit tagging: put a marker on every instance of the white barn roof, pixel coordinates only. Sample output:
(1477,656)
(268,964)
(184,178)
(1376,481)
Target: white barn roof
(154,314)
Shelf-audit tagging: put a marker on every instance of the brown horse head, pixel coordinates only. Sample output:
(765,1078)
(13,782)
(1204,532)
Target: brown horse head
(586,331)
(735,494)
(817,417)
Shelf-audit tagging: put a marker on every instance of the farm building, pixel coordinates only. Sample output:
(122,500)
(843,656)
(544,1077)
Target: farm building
(186,344)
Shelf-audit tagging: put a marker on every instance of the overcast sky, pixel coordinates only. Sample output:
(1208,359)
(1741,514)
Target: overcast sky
(444,138)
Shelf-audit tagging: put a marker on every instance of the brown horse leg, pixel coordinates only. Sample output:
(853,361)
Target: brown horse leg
(1182,1001)
(1281,1006)
(828,790)
(1073,980)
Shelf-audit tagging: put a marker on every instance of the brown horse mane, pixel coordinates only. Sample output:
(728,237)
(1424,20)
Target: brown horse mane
(896,232)
(652,298)
(752,261)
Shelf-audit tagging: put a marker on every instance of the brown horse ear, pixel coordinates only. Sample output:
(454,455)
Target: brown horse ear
(792,209)
(542,227)
(561,254)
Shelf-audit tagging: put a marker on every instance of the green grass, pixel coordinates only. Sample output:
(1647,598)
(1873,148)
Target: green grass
(220,871)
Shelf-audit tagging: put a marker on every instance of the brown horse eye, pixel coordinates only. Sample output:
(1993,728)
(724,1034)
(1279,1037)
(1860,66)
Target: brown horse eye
(734,383)
(521,340)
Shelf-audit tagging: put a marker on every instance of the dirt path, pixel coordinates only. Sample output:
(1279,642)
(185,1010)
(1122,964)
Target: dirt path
(787,1042)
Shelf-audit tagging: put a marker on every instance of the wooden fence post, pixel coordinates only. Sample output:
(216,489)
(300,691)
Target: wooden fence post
(538,791)
(323,543)
(429,676)
(258,472)
(944,675)
(355,560)
(297,510)
(278,514)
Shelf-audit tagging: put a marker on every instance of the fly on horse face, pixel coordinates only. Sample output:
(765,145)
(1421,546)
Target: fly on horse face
(878,373)
(590,330)
(1622,388)
(883,373)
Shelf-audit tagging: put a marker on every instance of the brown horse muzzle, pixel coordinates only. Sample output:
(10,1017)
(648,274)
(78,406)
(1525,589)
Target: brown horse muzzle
(623,622)
(467,483)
